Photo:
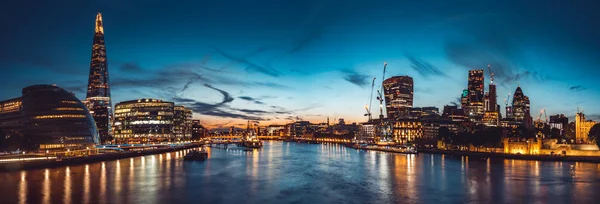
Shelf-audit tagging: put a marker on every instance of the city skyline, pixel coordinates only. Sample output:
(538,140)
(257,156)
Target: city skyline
(311,63)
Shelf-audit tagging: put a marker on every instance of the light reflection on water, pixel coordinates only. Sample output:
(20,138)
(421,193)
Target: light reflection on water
(285,172)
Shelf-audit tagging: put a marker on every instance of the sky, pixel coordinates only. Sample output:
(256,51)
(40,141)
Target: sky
(280,61)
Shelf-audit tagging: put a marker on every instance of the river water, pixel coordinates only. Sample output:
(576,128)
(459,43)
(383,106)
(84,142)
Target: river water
(284,172)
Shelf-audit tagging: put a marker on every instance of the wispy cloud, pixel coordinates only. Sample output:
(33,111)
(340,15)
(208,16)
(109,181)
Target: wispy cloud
(355,77)
(577,88)
(251,66)
(425,68)
(130,67)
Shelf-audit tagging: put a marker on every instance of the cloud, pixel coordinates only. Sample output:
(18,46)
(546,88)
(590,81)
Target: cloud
(250,66)
(577,88)
(425,68)
(130,67)
(248,98)
(355,77)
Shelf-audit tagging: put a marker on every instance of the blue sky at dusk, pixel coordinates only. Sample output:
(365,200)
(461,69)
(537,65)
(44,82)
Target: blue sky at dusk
(278,61)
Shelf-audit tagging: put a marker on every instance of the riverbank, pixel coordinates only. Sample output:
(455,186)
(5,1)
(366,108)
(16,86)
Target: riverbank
(589,159)
(51,163)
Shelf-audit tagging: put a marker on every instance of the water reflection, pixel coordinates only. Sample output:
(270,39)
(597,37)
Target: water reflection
(284,172)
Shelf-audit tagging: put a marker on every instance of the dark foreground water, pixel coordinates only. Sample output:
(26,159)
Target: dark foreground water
(285,172)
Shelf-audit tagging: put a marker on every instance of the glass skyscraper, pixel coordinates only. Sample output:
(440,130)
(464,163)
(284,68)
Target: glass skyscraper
(98,90)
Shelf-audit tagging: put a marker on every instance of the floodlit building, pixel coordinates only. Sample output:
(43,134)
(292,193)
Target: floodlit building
(151,120)
(407,130)
(582,127)
(49,118)
(98,89)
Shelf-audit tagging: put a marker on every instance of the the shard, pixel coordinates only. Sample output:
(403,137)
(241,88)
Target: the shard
(98,90)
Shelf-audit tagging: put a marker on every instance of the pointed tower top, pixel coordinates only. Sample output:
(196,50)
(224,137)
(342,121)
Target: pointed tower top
(99,27)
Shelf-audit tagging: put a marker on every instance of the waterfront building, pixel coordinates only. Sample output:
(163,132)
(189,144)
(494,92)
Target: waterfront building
(398,92)
(148,121)
(407,130)
(275,130)
(582,127)
(49,118)
(98,89)
(182,123)
(198,131)
(367,132)
(431,127)
(299,128)
(475,109)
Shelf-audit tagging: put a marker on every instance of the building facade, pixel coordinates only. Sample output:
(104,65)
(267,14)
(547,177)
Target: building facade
(49,118)
(150,121)
(582,127)
(521,108)
(475,105)
(198,131)
(98,89)
(398,93)
(182,123)
(559,122)
(407,130)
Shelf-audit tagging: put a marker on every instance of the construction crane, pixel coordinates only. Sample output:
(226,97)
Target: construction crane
(370,101)
(379,92)
(491,74)
(539,118)
(506,107)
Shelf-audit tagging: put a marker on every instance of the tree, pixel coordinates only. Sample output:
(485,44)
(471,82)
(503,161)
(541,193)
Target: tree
(594,134)
(444,134)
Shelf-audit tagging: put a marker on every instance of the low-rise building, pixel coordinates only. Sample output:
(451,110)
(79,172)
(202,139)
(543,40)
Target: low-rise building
(149,121)
(48,118)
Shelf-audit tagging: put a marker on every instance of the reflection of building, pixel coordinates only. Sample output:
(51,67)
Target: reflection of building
(149,120)
(398,91)
(50,118)
(582,127)
(98,89)
(407,130)
(475,98)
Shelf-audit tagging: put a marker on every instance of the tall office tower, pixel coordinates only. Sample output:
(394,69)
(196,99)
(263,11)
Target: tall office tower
(398,93)
(98,90)
(475,98)
(521,107)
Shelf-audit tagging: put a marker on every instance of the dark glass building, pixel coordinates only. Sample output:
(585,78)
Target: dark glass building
(398,92)
(520,107)
(98,90)
(475,104)
(48,117)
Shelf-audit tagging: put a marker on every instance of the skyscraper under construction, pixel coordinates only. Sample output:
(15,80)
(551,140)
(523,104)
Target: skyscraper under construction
(98,90)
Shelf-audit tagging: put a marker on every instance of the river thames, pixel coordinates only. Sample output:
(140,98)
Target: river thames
(284,172)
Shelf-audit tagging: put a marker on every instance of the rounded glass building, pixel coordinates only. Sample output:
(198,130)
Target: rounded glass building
(50,118)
